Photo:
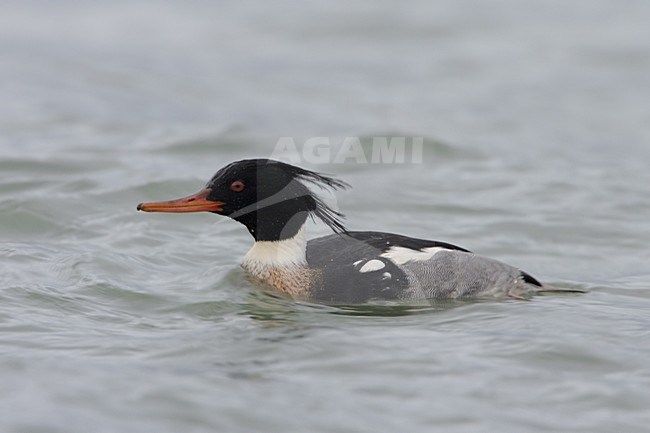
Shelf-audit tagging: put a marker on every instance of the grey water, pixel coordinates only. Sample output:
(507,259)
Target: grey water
(535,118)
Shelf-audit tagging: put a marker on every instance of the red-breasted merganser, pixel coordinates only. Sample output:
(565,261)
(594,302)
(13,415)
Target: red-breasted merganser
(272,200)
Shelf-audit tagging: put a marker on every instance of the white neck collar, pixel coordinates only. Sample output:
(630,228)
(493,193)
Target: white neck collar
(278,254)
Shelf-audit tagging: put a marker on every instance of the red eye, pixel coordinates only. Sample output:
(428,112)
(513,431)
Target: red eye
(237,186)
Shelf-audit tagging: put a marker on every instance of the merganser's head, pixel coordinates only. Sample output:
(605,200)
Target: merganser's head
(269,197)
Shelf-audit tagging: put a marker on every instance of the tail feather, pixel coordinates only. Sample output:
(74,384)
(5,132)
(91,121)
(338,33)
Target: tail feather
(555,289)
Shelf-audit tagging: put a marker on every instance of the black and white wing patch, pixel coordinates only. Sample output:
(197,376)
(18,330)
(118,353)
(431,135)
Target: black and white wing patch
(361,266)
(386,241)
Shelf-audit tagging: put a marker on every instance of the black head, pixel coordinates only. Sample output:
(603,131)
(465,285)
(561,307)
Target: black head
(269,197)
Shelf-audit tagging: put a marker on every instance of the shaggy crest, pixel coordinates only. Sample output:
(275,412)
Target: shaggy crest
(322,211)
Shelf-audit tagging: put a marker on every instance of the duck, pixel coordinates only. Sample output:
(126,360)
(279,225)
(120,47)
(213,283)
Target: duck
(273,200)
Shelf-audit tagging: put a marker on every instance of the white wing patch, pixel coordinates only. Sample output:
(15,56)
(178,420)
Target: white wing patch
(372,265)
(401,255)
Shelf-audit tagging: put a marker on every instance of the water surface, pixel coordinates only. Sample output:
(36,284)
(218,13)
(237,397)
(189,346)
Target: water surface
(535,120)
